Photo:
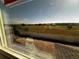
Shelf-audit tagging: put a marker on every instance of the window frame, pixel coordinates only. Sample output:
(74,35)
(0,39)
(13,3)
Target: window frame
(4,44)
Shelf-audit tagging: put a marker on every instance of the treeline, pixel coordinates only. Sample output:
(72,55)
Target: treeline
(59,24)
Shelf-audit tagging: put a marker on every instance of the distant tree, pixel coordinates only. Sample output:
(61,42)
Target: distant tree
(69,26)
(39,24)
(23,24)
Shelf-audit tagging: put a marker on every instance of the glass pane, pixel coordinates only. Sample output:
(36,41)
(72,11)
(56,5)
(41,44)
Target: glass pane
(35,26)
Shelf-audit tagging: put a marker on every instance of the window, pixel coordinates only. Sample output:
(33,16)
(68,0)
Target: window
(34,27)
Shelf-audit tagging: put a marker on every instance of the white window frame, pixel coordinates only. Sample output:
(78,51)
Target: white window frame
(4,44)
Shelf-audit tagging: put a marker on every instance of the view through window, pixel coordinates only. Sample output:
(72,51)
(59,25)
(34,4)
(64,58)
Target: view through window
(38,25)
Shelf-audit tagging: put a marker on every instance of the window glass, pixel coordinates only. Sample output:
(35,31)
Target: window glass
(34,26)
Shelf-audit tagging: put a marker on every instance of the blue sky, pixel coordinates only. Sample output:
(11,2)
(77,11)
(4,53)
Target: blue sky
(45,11)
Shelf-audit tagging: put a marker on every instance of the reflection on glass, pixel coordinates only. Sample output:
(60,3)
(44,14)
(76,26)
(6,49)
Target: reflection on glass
(39,24)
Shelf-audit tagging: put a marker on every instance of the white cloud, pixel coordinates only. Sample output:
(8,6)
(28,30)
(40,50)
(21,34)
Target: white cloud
(73,1)
(61,19)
